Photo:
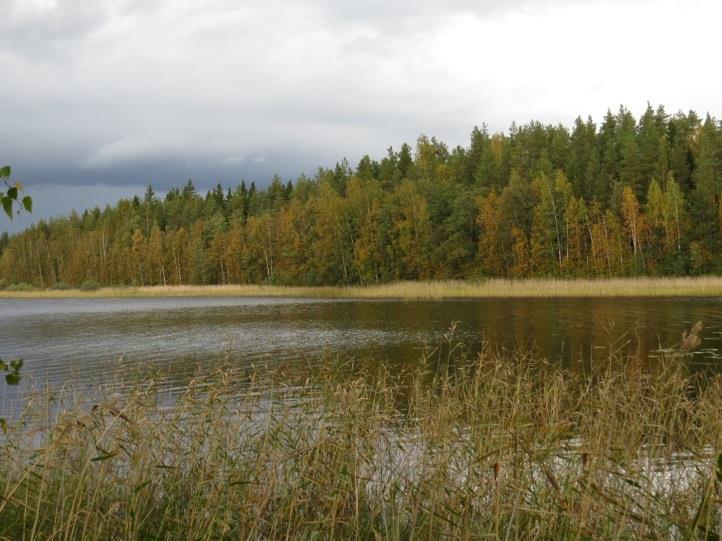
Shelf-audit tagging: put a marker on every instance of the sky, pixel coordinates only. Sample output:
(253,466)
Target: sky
(99,98)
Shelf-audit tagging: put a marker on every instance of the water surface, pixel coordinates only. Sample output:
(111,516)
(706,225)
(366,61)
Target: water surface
(62,339)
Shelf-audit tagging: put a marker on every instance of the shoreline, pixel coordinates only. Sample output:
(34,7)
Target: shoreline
(709,286)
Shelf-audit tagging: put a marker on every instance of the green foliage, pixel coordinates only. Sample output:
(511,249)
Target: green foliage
(13,370)
(628,197)
(89,285)
(704,524)
(22,286)
(10,198)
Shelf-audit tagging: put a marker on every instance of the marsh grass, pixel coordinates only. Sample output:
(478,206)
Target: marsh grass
(493,288)
(485,448)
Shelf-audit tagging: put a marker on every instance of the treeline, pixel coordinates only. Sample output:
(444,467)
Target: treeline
(628,197)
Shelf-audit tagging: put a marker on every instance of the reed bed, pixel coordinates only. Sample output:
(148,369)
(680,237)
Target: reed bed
(491,447)
(708,286)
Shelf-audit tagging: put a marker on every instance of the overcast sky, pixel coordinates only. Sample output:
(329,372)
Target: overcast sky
(98,98)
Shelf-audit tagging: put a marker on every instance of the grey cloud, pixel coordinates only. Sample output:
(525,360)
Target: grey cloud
(61,20)
(49,30)
(168,171)
(131,92)
(401,14)
(40,27)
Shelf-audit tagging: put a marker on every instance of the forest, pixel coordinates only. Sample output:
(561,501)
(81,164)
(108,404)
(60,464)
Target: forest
(628,197)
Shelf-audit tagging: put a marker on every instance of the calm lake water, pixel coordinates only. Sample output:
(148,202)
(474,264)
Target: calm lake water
(91,339)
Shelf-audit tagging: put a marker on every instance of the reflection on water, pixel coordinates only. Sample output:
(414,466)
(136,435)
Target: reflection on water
(92,338)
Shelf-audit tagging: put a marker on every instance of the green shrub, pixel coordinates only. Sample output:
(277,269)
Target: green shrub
(22,286)
(61,286)
(89,285)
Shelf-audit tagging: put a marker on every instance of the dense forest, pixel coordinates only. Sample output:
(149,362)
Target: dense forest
(628,197)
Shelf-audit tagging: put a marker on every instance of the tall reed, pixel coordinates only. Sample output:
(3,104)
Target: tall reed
(492,447)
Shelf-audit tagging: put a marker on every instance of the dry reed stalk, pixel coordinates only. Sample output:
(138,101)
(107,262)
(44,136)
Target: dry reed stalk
(457,448)
(491,288)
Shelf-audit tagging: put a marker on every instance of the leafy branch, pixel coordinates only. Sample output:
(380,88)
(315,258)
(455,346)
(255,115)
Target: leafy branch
(10,197)
(13,369)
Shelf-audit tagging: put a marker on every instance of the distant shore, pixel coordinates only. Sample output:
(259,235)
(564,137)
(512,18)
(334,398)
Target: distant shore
(449,289)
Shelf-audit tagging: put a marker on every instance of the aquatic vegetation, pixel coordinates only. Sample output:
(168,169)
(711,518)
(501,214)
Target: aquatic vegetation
(494,447)
(691,340)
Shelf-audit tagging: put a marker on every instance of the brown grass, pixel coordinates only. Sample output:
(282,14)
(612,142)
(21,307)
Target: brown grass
(493,448)
(618,287)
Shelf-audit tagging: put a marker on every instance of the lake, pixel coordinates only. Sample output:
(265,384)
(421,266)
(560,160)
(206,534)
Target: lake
(481,438)
(92,339)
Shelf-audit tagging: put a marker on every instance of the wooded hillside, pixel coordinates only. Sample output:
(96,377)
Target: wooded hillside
(627,197)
